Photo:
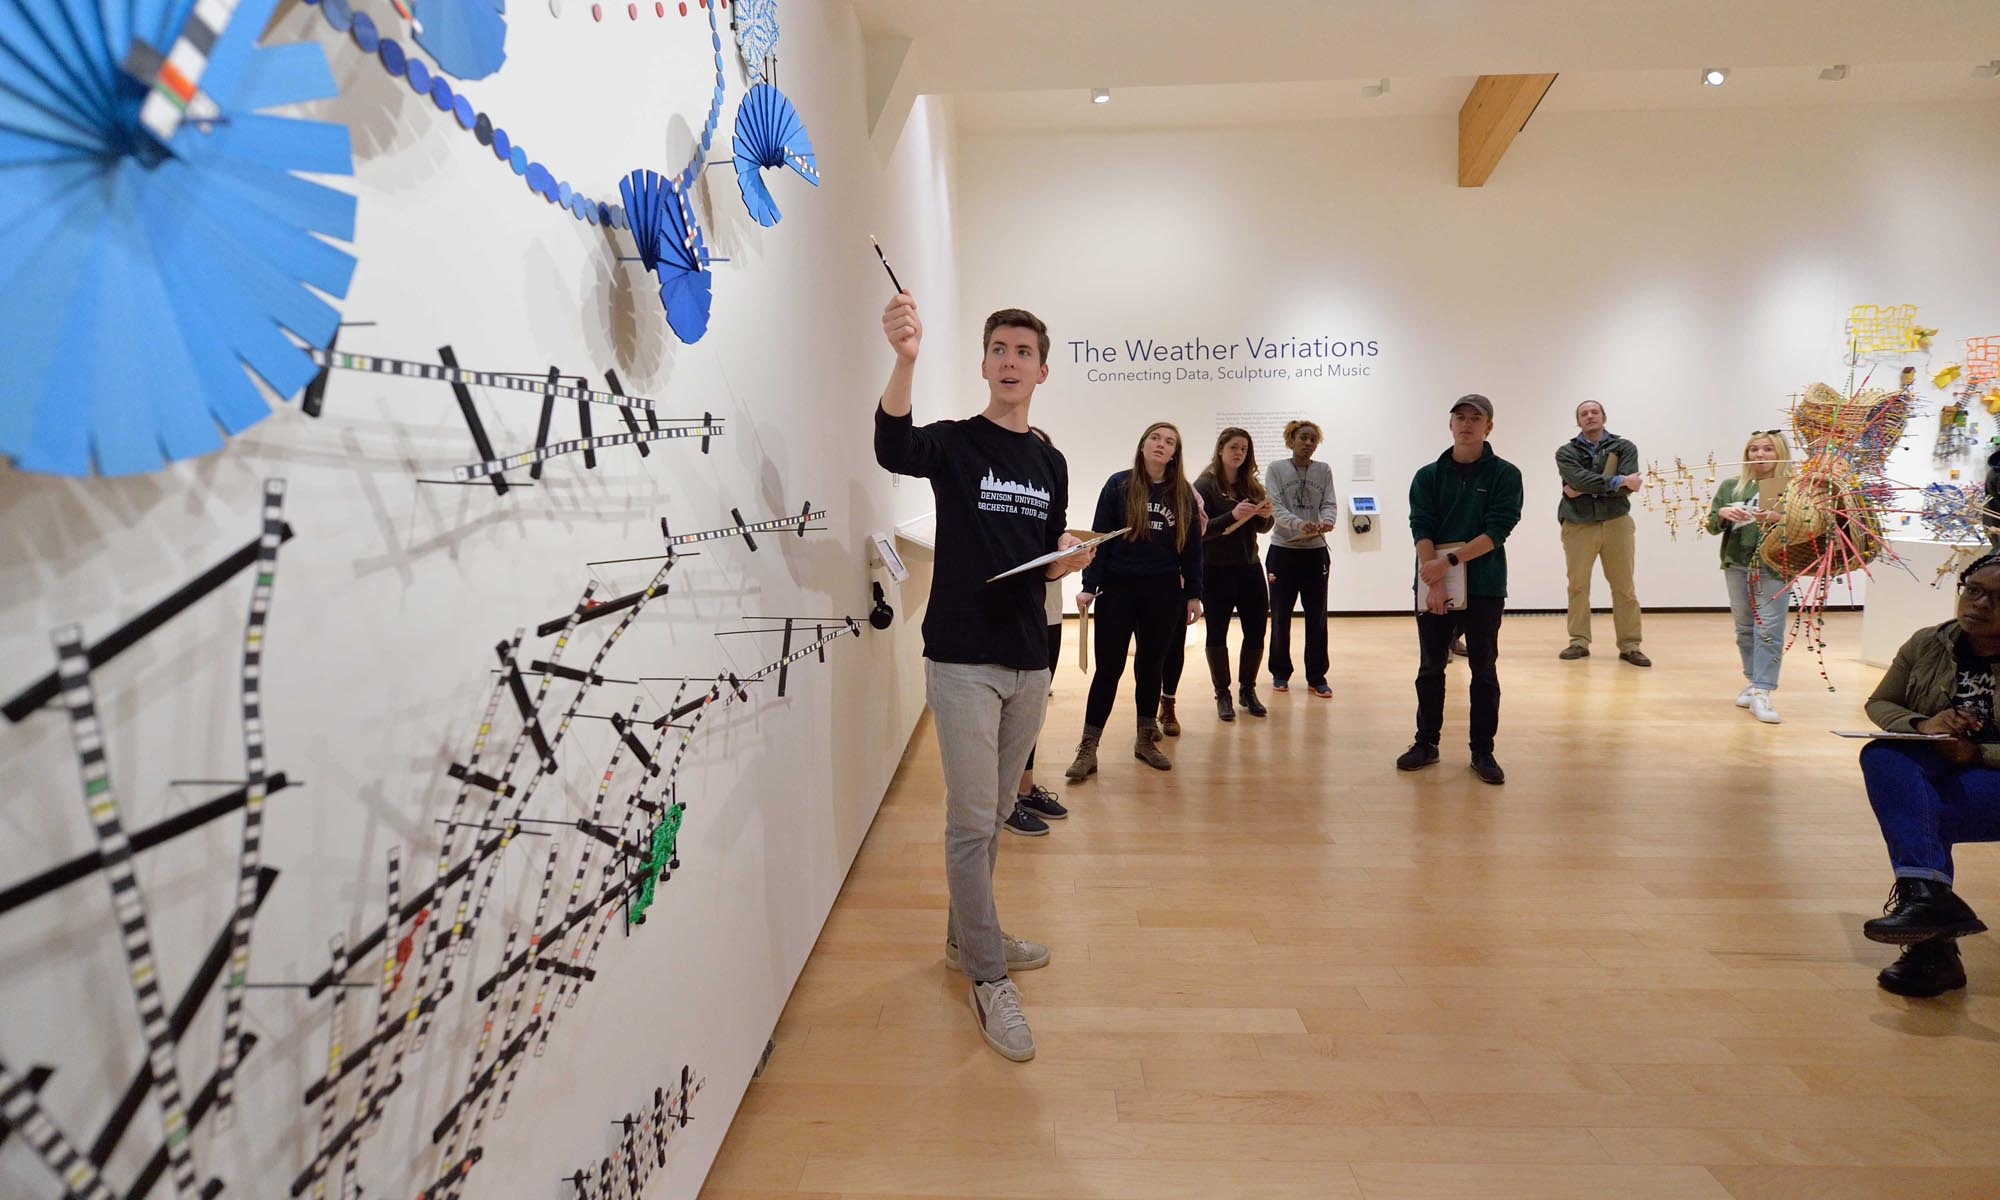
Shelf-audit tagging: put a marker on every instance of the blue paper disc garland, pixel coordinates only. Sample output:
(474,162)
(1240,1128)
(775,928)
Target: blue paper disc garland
(769,133)
(146,285)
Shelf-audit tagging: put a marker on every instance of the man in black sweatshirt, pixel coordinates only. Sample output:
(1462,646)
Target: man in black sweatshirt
(1002,498)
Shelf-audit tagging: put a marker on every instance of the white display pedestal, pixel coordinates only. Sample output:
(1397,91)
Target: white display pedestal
(1900,601)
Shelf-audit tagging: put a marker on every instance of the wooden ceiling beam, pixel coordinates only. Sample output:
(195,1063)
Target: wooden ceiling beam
(1494,111)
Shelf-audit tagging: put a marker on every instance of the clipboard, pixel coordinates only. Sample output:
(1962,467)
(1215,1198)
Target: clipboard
(1065,552)
(1454,584)
(1885,735)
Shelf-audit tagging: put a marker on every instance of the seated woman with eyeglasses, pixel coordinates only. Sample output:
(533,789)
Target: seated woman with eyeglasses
(1930,796)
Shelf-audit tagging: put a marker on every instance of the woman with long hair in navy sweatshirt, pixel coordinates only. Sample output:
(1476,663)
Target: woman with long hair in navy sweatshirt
(1146,584)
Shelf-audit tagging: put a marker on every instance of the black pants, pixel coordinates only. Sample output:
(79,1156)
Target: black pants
(1055,652)
(1239,589)
(1298,575)
(1480,623)
(1148,607)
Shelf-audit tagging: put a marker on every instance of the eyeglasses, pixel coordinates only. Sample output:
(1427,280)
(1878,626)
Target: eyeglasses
(1972,593)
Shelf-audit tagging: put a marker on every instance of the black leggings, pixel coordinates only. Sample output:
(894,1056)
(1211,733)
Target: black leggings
(1148,607)
(1239,589)
(1055,652)
(1298,575)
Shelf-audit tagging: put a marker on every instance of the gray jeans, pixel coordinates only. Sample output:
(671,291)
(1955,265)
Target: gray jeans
(987,720)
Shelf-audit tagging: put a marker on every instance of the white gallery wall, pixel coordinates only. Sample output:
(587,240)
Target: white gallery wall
(1688,269)
(391,597)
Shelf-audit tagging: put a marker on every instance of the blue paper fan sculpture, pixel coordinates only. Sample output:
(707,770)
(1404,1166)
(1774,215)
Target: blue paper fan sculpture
(156,238)
(769,133)
(467,38)
(671,247)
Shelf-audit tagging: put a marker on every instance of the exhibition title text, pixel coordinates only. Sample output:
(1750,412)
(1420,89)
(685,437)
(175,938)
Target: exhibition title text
(1198,360)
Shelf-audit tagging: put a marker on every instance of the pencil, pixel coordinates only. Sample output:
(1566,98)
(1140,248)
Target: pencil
(885,263)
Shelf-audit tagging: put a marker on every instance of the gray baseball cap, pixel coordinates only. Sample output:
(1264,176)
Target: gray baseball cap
(1475,400)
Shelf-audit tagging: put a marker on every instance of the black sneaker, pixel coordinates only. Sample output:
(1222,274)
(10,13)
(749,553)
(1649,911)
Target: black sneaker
(1281,685)
(1417,757)
(1488,770)
(1042,803)
(1919,910)
(1925,969)
(1025,823)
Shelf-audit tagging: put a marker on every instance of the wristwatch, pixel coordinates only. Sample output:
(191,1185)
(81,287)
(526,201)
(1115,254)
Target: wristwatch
(1451,556)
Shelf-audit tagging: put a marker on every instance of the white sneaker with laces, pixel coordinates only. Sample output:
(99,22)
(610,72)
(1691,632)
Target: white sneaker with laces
(1743,697)
(1022,954)
(1762,708)
(997,1006)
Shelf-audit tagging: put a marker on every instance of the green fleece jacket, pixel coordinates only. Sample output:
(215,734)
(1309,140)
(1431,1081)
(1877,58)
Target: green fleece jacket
(1922,682)
(1589,469)
(1449,506)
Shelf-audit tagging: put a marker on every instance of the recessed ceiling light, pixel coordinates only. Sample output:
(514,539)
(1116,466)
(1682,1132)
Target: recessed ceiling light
(1987,70)
(1834,73)
(1100,96)
(1715,76)
(1378,88)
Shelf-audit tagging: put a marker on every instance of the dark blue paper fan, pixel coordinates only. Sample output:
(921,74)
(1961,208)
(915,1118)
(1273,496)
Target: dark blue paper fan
(467,38)
(671,246)
(151,269)
(769,133)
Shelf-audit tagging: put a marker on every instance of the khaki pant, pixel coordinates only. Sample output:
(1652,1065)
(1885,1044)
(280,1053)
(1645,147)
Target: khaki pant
(1611,541)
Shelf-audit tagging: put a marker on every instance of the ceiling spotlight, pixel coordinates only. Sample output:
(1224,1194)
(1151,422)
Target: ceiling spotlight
(1378,88)
(1714,76)
(1100,96)
(1987,70)
(1834,73)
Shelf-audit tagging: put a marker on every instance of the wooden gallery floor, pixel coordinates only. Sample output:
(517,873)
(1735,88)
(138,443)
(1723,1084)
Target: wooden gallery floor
(1284,969)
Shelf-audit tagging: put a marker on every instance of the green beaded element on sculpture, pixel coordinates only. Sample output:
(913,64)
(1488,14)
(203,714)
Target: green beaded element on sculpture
(659,856)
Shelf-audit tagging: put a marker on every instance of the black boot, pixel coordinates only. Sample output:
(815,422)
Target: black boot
(1925,969)
(1246,674)
(1218,674)
(1919,910)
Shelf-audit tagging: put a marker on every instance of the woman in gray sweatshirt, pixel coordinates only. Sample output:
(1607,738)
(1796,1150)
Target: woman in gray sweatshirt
(1303,510)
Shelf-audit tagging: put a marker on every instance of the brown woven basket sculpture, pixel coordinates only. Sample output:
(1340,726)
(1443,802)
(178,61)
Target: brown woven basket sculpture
(1827,525)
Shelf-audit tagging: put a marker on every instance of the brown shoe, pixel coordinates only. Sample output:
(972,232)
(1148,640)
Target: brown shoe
(1170,721)
(1571,653)
(1144,749)
(1636,657)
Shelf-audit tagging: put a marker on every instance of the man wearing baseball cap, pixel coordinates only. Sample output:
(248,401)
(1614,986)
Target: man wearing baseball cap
(1462,507)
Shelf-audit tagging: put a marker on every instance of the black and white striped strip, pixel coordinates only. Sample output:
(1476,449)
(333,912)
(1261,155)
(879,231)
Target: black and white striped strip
(534,386)
(251,855)
(336,1049)
(456,1120)
(774,525)
(350,1173)
(540,975)
(542,454)
(115,850)
(24,1112)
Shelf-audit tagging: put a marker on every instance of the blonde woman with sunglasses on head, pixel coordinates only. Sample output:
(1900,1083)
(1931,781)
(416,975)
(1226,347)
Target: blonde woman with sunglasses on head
(1744,508)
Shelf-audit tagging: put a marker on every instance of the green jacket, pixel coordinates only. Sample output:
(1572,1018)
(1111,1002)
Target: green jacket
(1922,682)
(1739,546)
(1583,468)
(1448,507)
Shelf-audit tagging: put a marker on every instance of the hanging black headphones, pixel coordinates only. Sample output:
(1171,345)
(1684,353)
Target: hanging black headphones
(881,616)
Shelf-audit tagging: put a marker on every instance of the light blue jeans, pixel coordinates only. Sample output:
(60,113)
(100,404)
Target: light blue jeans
(1758,598)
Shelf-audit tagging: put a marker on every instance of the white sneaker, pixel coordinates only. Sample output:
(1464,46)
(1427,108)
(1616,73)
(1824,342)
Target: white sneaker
(1762,708)
(997,1006)
(1743,697)
(1022,954)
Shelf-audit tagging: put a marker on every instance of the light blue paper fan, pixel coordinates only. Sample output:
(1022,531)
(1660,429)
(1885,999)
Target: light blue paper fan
(143,285)
(769,133)
(755,23)
(466,38)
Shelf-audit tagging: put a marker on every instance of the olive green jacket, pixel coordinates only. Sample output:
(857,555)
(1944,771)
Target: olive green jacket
(1922,682)
(1583,468)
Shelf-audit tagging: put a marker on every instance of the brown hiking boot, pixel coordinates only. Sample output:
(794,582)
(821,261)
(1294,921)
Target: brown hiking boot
(1146,752)
(1086,756)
